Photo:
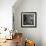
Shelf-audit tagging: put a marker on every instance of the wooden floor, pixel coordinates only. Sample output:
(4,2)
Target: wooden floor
(9,43)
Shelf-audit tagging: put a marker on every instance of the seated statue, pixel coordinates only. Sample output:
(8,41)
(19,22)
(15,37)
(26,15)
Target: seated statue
(29,43)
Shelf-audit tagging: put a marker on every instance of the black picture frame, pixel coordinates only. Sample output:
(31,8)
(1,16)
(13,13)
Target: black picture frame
(29,19)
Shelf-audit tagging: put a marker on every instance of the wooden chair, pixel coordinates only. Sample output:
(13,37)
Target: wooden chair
(18,39)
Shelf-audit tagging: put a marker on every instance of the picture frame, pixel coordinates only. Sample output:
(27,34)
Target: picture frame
(29,19)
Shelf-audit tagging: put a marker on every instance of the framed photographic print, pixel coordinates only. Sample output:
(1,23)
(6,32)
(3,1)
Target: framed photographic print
(28,19)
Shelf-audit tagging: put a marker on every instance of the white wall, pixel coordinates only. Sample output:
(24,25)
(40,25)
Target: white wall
(6,13)
(35,34)
(26,5)
(29,6)
(43,22)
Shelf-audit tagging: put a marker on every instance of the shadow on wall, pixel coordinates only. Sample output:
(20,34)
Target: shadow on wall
(17,4)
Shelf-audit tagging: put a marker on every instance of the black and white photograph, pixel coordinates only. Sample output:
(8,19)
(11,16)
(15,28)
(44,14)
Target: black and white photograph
(28,19)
